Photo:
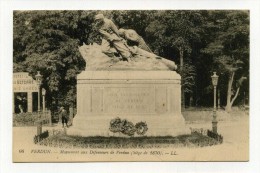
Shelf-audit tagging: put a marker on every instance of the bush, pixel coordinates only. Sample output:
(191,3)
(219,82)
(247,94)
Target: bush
(63,141)
(25,119)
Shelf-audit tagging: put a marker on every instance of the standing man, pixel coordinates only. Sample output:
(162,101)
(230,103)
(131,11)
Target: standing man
(64,116)
(111,41)
(134,39)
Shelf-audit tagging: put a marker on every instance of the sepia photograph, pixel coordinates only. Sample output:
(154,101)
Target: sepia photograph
(130,85)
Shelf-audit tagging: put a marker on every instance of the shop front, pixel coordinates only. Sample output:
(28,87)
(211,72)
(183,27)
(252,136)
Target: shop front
(25,93)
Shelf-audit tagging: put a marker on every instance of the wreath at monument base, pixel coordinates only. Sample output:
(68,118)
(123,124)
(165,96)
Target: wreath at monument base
(141,128)
(126,127)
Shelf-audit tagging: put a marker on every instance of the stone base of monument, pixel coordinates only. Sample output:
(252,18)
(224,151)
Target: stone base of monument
(153,97)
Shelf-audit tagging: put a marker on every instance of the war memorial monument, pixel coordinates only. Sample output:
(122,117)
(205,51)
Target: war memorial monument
(139,88)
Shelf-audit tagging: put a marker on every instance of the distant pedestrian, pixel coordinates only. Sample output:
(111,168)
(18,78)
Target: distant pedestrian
(64,116)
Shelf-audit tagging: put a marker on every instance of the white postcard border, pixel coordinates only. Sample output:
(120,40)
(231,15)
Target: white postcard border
(7,165)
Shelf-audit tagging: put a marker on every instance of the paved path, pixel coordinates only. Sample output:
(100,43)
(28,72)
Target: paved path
(234,148)
(25,135)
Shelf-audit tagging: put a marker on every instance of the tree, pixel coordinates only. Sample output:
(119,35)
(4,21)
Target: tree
(177,30)
(230,50)
(48,41)
(198,41)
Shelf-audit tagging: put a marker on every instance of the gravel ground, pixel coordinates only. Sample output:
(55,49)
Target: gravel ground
(234,128)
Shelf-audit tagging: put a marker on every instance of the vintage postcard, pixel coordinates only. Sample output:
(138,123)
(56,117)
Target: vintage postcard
(130,85)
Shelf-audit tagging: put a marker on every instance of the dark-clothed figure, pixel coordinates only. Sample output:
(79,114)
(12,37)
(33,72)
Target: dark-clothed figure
(64,116)
(19,105)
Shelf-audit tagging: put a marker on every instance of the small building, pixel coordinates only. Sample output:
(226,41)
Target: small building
(25,93)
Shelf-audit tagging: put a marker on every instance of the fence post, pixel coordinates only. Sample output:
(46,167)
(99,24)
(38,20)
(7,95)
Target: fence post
(39,127)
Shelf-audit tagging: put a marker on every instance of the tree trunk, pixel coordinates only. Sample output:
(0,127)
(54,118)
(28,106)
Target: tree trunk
(229,92)
(181,69)
(234,98)
(191,100)
(181,59)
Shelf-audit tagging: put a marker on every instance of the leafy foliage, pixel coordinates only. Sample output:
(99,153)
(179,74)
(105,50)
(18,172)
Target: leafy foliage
(230,50)
(198,41)
(189,76)
(48,41)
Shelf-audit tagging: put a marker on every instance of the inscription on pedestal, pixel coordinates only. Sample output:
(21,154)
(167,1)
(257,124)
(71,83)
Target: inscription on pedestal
(129,100)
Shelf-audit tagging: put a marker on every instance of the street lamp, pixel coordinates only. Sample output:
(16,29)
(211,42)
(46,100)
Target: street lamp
(43,99)
(214,78)
(38,77)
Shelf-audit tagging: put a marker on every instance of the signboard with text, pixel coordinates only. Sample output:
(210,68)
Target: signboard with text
(22,82)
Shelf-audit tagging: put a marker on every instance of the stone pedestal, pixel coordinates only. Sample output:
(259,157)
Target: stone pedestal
(153,97)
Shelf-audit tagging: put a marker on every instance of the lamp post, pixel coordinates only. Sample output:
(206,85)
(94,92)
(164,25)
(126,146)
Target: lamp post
(38,77)
(43,99)
(214,78)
